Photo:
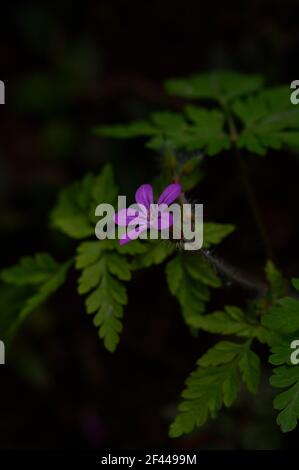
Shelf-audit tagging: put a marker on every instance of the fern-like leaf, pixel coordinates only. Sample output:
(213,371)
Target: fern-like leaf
(103,271)
(215,383)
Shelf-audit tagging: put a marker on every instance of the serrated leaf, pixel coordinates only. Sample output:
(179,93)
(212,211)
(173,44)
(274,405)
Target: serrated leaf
(119,266)
(13,298)
(189,278)
(281,351)
(102,270)
(287,401)
(174,274)
(270,120)
(221,86)
(213,384)
(71,214)
(30,270)
(214,233)
(74,211)
(105,189)
(222,353)
(45,290)
(286,376)
(250,367)
(154,252)
(232,321)
(42,274)
(198,129)
(283,316)
(205,132)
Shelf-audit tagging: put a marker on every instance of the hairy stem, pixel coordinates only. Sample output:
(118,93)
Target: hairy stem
(235,276)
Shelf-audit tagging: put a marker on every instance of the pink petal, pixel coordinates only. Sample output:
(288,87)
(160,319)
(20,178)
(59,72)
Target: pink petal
(170,194)
(125,216)
(144,195)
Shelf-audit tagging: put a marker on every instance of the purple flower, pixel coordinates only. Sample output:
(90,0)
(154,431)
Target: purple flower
(146,213)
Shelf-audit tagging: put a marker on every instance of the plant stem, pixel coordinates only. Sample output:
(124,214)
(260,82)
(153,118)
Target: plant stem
(249,189)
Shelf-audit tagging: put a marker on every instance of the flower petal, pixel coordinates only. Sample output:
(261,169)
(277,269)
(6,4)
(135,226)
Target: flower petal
(170,193)
(144,195)
(125,216)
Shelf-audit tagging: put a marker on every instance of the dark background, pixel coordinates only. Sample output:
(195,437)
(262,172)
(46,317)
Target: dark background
(68,67)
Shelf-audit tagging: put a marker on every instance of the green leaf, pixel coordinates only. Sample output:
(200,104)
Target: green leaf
(197,129)
(284,316)
(286,376)
(13,299)
(104,189)
(191,173)
(46,289)
(295,283)
(232,321)
(75,208)
(278,285)
(102,271)
(126,131)
(288,401)
(189,278)
(71,214)
(154,252)
(215,233)
(215,383)
(250,367)
(281,351)
(222,353)
(221,86)
(270,121)
(30,270)
(205,132)
(42,274)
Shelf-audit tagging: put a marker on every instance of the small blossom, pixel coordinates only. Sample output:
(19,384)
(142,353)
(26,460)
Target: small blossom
(146,213)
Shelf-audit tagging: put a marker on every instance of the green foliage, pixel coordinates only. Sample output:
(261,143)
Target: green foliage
(284,317)
(268,118)
(245,116)
(74,212)
(197,128)
(154,252)
(42,274)
(281,351)
(189,278)
(215,383)
(220,86)
(233,321)
(287,402)
(13,299)
(104,267)
(270,121)
(278,284)
(102,274)
(215,233)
